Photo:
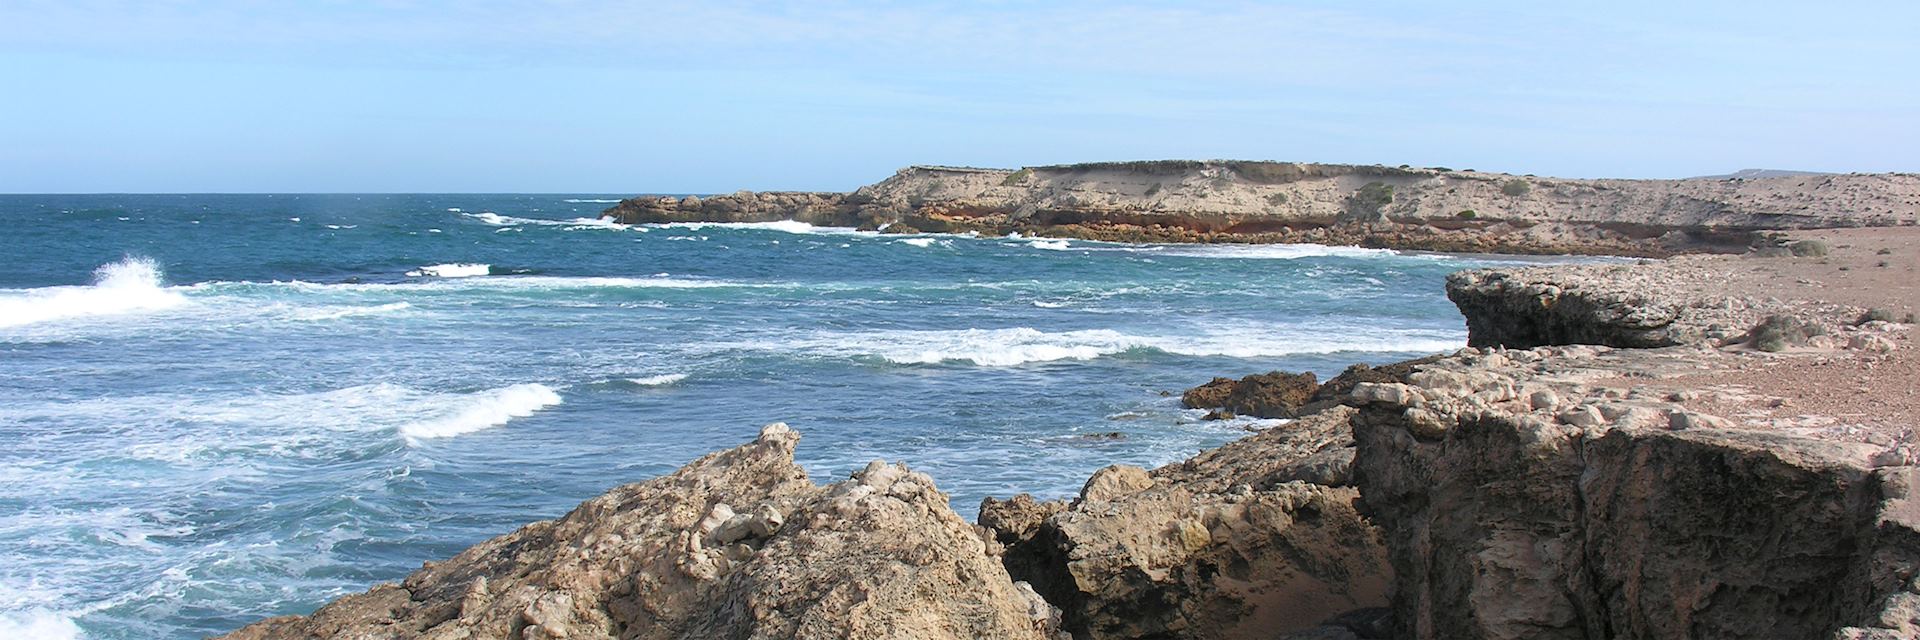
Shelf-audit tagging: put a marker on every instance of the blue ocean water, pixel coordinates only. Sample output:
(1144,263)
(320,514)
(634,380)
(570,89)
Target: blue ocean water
(217,408)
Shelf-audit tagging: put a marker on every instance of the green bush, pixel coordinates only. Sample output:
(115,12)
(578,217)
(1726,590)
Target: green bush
(1467,215)
(1278,199)
(1516,187)
(1778,332)
(1017,177)
(1809,248)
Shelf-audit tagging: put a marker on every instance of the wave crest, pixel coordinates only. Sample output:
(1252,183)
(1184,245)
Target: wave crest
(131,285)
(484,410)
(452,270)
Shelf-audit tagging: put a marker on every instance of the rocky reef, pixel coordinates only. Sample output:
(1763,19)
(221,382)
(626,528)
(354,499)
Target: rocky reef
(1367,205)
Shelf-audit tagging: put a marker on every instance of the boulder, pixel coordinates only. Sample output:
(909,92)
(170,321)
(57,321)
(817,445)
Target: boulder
(1264,395)
(878,556)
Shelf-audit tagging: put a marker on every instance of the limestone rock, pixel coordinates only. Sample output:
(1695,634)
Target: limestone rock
(1229,544)
(670,558)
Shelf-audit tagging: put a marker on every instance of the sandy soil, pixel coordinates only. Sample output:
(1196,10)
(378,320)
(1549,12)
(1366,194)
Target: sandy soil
(1842,393)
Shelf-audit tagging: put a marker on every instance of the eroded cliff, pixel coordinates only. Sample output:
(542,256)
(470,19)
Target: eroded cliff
(1378,206)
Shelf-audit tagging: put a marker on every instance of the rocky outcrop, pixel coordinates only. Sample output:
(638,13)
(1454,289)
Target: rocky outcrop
(1685,300)
(1395,207)
(740,206)
(1276,394)
(1524,495)
(1256,538)
(737,544)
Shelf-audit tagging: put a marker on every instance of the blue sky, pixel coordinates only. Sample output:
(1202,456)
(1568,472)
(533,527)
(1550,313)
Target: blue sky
(615,97)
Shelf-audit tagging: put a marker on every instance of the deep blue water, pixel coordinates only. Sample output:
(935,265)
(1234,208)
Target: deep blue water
(216,408)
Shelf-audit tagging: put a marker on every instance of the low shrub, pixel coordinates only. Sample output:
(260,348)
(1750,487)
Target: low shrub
(1467,215)
(1516,187)
(1777,332)
(1809,248)
(1017,177)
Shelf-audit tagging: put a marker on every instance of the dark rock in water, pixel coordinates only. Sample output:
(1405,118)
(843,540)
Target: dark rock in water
(1263,395)
(1210,395)
(1109,436)
(1219,414)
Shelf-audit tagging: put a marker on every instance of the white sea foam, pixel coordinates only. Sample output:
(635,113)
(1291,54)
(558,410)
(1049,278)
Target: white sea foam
(659,380)
(1021,345)
(38,623)
(495,219)
(923,242)
(335,313)
(786,226)
(1051,245)
(452,270)
(131,285)
(1265,251)
(484,410)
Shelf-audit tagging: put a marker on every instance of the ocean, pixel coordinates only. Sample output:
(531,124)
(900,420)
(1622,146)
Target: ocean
(217,408)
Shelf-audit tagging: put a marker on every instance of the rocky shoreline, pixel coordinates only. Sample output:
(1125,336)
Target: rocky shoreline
(1435,209)
(1624,452)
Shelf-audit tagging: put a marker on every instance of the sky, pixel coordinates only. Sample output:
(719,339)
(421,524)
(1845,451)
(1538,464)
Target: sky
(589,96)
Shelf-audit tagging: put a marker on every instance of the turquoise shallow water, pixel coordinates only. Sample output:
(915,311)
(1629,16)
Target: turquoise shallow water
(220,408)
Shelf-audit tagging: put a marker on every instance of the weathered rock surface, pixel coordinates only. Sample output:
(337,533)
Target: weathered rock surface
(1524,495)
(1680,301)
(737,544)
(1262,395)
(1405,207)
(1238,542)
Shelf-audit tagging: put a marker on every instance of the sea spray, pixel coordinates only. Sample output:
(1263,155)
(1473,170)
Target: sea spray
(131,285)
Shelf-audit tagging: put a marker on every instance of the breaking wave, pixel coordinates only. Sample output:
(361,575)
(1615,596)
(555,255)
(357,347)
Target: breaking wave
(659,380)
(132,285)
(786,226)
(482,410)
(452,270)
(1266,251)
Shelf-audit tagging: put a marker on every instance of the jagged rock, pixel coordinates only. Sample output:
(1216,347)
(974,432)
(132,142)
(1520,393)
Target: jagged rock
(1228,544)
(1117,481)
(1265,395)
(878,556)
(1015,520)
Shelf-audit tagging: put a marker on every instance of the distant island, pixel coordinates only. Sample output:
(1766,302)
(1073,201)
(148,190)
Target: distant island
(1431,208)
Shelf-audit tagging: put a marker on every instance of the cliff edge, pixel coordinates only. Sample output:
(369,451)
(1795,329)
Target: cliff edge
(1367,205)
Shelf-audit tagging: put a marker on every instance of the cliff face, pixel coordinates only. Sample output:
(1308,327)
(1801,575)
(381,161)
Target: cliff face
(1413,208)
(1518,504)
